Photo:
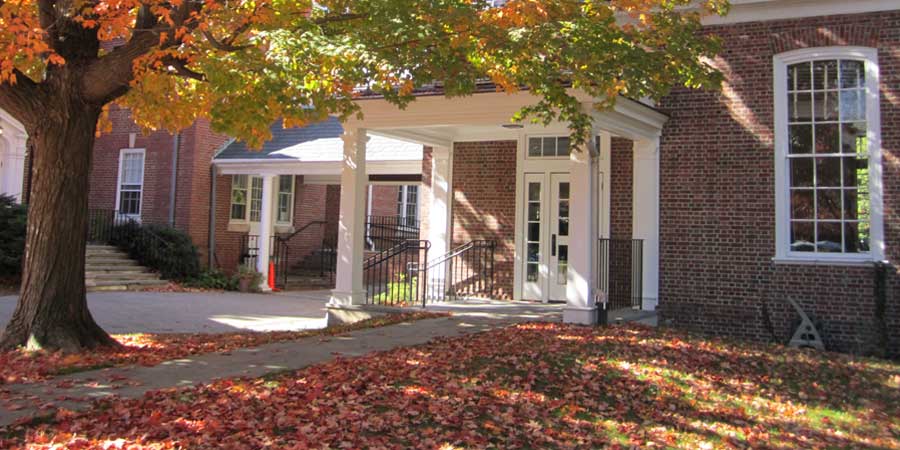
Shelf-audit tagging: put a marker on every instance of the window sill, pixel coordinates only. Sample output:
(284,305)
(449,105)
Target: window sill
(283,228)
(806,261)
(238,227)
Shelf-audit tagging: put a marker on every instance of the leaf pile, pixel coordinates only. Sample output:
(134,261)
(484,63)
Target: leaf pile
(21,366)
(526,386)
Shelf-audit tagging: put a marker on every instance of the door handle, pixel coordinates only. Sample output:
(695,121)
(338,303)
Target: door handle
(553,245)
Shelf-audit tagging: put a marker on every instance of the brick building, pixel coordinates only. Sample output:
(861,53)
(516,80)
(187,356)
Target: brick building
(713,208)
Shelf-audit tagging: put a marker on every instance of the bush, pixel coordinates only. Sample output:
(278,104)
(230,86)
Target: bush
(165,249)
(213,279)
(12,237)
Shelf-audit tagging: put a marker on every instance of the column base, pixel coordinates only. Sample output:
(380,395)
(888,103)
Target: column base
(339,298)
(580,315)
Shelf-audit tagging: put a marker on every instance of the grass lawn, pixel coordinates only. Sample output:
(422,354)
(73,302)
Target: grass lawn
(526,386)
(21,366)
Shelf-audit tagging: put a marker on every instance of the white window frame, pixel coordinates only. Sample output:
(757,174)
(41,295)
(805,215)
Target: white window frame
(529,137)
(278,193)
(783,253)
(403,203)
(246,196)
(122,153)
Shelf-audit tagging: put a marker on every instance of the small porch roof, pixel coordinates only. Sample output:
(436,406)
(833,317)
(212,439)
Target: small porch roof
(316,149)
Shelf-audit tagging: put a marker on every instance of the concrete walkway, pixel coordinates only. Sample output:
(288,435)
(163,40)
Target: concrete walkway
(77,391)
(199,312)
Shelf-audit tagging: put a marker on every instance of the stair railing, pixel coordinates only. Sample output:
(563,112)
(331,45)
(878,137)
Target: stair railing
(384,232)
(467,271)
(396,276)
(280,252)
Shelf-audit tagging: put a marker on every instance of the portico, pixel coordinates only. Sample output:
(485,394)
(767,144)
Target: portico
(12,156)
(560,203)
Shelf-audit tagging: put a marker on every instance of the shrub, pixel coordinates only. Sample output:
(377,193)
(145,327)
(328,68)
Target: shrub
(213,279)
(12,237)
(165,249)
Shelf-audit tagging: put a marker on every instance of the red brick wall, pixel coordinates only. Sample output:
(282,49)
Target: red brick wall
(484,202)
(621,175)
(384,200)
(717,207)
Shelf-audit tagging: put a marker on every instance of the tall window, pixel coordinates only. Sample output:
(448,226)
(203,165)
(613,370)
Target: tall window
(239,197)
(827,154)
(256,188)
(285,198)
(408,204)
(131,182)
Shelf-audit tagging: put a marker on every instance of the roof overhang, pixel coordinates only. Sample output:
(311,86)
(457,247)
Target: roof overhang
(313,169)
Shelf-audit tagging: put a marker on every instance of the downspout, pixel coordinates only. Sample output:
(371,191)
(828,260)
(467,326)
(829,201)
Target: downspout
(176,142)
(212,216)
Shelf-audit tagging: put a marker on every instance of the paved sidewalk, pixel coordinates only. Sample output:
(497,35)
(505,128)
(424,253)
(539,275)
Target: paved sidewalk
(199,312)
(78,390)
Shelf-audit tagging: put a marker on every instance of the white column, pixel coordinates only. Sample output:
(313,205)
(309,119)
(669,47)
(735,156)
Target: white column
(439,215)
(265,231)
(580,305)
(646,215)
(349,289)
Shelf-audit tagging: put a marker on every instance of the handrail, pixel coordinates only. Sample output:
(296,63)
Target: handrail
(386,254)
(465,271)
(302,229)
(456,252)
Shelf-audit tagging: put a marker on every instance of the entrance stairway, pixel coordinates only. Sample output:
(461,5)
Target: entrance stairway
(308,273)
(109,269)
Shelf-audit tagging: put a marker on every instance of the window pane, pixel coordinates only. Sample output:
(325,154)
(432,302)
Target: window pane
(828,138)
(285,184)
(562,147)
(826,105)
(802,204)
(800,108)
(562,266)
(828,204)
(799,77)
(532,272)
(534,147)
(853,138)
(828,171)
(800,139)
(238,212)
(852,74)
(534,254)
(802,237)
(853,105)
(856,237)
(534,211)
(534,192)
(856,173)
(825,75)
(801,172)
(534,232)
(549,146)
(564,191)
(130,203)
(856,205)
(255,198)
(829,237)
(284,208)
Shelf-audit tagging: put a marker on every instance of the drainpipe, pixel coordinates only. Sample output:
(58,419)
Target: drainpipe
(172,190)
(212,216)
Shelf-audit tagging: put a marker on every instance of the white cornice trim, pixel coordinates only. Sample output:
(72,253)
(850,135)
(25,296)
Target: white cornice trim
(743,11)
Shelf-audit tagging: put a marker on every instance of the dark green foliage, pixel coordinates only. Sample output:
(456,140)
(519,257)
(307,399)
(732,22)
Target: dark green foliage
(12,236)
(165,249)
(213,279)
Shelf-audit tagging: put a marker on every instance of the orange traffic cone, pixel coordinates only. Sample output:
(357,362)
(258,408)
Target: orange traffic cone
(272,276)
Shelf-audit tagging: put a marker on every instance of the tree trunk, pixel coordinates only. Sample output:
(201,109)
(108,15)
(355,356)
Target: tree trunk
(52,312)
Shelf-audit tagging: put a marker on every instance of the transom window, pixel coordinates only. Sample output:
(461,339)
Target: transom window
(548,147)
(826,146)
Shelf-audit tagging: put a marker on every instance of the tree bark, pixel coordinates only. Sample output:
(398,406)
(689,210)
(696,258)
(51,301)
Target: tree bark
(52,311)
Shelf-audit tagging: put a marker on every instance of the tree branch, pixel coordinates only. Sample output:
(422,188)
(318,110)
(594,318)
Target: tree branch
(23,99)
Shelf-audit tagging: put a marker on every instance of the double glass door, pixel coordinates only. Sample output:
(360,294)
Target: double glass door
(546,231)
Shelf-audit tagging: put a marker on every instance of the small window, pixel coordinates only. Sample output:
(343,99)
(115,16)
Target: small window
(408,204)
(131,182)
(285,199)
(239,197)
(548,147)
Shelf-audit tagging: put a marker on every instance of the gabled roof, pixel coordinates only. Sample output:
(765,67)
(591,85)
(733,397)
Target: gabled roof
(318,142)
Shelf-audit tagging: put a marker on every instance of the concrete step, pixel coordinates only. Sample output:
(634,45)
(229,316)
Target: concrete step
(111,262)
(130,275)
(98,268)
(102,247)
(117,285)
(90,253)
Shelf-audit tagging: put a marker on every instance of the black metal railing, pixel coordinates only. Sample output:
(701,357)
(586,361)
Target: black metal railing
(466,271)
(280,253)
(106,226)
(395,276)
(101,224)
(249,250)
(384,232)
(328,256)
(621,272)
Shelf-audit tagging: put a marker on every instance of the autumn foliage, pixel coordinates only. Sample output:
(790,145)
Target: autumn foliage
(542,385)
